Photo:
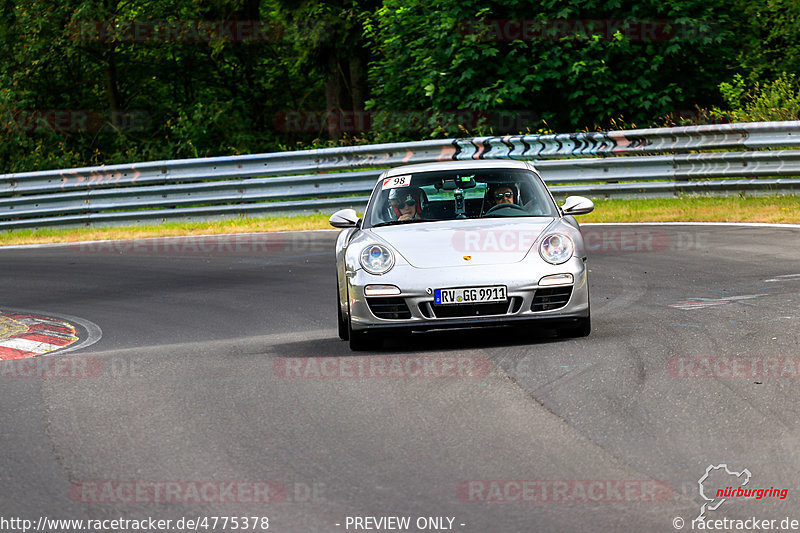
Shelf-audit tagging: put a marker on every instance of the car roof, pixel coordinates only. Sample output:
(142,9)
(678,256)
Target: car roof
(459,165)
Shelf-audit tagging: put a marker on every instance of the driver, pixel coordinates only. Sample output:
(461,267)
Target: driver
(405,202)
(503,194)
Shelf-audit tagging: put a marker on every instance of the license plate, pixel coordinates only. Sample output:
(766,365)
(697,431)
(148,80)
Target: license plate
(470,295)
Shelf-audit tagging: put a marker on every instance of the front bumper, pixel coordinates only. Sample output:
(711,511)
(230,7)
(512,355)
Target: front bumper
(413,309)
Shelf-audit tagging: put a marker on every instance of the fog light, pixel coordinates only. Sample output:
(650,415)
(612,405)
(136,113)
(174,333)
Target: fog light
(556,279)
(381,290)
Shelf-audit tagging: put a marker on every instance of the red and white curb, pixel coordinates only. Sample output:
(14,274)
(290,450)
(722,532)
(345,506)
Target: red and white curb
(24,335)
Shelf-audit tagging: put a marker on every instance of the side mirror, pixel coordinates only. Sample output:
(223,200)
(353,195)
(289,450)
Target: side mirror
(577,205)
(345,218)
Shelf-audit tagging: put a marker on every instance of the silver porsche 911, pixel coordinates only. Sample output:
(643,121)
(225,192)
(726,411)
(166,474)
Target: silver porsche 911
(460,244)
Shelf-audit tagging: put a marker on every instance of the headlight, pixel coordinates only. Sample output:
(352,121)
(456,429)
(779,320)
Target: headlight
(377,259)
(556,248)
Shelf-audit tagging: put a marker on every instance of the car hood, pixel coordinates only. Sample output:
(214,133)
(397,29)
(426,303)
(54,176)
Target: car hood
(462,242)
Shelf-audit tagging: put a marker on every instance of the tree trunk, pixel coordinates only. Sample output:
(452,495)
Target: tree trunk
(112,89)
(333,91)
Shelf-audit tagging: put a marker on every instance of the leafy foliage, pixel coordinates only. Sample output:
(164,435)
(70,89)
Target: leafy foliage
(582,64)
(777,100)
(85,82)
(769,43)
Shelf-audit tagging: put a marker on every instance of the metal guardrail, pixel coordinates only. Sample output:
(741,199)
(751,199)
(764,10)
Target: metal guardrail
(595,164)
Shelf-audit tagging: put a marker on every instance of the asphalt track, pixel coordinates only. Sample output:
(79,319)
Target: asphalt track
(192,387)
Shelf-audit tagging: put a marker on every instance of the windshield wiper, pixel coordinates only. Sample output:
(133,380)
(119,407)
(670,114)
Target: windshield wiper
(396,222)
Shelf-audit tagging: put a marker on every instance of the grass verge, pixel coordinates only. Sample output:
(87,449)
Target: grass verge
(772,209)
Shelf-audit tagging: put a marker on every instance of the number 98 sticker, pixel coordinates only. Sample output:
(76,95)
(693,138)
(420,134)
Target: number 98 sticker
(397,181)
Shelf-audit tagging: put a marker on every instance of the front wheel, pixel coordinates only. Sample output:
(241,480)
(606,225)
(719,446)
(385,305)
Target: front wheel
(344,332)
(582,329)
(360,340)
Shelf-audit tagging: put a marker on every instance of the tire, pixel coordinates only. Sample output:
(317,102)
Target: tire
(344,331)
(582,329)
(360,341)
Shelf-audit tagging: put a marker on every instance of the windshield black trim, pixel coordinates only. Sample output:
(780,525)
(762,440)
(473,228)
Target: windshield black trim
(535,176)
(409,221)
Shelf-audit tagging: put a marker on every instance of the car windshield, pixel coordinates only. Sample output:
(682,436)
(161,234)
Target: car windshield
(459,194)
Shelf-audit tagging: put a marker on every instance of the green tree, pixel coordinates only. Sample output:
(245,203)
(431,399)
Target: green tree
(768,31)
(457,55)
(201,93)
(329,43)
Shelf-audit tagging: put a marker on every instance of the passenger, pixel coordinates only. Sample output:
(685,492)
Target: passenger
(406,203)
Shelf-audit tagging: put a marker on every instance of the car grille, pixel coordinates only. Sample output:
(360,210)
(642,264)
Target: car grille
(551,298)
(468,310)
(389,308)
